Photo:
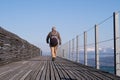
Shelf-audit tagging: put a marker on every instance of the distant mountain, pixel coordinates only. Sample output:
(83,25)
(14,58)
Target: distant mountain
(103,52)
(104,61)
(107,61)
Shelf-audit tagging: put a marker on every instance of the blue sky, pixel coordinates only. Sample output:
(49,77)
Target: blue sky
(33,19)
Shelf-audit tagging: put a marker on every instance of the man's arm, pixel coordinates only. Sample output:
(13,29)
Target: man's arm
(59,37)
(47,38)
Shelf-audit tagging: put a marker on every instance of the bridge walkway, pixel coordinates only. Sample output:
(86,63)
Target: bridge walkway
(42,68)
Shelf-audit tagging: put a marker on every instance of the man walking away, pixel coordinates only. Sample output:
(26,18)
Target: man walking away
(53,39)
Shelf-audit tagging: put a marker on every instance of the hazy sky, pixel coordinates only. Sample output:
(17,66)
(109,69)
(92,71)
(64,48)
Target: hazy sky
(33,19)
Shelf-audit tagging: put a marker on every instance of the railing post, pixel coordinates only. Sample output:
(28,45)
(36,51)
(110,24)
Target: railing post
(77,50)
(59,52)
(97,64)
(63,51)
(85,48)
(116,43)
(69,50)
(72,49)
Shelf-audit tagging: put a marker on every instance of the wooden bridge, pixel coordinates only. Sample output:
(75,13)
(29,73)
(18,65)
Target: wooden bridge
(42,68)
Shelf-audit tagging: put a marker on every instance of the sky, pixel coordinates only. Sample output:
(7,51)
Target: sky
(32,20)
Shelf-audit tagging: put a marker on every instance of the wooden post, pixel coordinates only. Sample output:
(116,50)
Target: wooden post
(116,44)
(96,48)
(85,48)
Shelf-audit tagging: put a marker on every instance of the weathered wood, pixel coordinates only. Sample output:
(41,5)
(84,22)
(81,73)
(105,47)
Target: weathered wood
(42,68)
(57,77)
(48,70)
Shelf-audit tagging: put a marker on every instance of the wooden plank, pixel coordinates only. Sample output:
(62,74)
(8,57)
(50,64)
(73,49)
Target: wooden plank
(25,75)
(48,70)
(28,71)
(38,77)
(57,77)
(42,68)
(36,69)
(66,76)
(86,72)
(58,71)
(11,72)
(75,73)
(52,74)
(67,71)
(23,72)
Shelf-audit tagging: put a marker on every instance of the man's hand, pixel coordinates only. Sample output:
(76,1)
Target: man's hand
(47,42)
(59,43)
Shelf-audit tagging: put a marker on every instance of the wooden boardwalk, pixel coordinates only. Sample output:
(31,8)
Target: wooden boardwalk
(42,68)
